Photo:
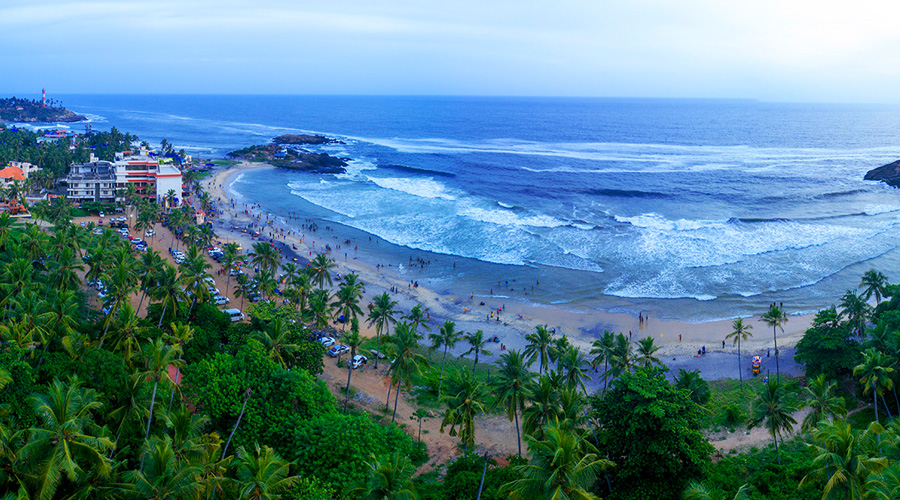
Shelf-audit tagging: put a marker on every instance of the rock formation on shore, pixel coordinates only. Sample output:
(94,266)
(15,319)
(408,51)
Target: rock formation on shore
(889,174)
(304,161)
(32,111)
(301,139)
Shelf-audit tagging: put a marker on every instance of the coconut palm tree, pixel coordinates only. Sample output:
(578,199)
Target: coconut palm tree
(180,336)
(544,406)
(693,383)
(263,474)
(65,441)
(771,409)
(193,275)
(418,316)
(276,339)
(538,347)
(389,478)
(353,341)
(875,376)
(740,332)
(622,358)
(247,393)
(319,308)
(602,349)
(572,365)
(476,342)
(322,266)
(856,310)
(845,459)
(159,356)
(240,288)
(823,402)
(563,465)
(447,337)
(229,260)
(465,401)
(168,292)
(699,491)
(161,474)
(381,314)
(875,284)
(510,386)
(407,361)
(148,266)
(265,256)
(347,300)
(776,318)
(645,352)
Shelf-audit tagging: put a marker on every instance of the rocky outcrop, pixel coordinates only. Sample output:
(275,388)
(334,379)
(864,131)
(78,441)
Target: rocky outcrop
(304,161)
(301,139)
(889,174)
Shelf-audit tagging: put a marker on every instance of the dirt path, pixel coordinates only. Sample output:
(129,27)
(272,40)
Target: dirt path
(742,439)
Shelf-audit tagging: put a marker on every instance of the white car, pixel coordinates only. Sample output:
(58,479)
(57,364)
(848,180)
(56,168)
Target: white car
(358,361)
(102,214)
(97,230)
(221,300)
(327,341)
(338,350)
(213,290)
(149,234)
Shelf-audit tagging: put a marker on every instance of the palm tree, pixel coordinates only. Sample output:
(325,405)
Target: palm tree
(824,403)
(263,474)
(645,352)
(159,356)
(602,348)
(381,314)
(776,318)
(464,403)
(740,332)
(322,266)
(389,478)
(845,459)
(693,383)
(181,335)
(875,376)
(240,288)
(407,361)
(148,266)
(538,347)
(544,408)
(446,337)
(699,491)
(875,283)
(276,339)
(167,291)
(512,380)
(247,393)
(319,308)
(353,341)
(856,310)
(65,442)
(564,465)
(193,275)
(229,259)
(421,414)
(621,359)
(418,316)
(572,364)
(265,256)
(771,408)
(347,300)
(476,341)
(161,474)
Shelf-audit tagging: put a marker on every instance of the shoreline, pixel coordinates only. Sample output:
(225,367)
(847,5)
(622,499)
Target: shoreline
(678,340)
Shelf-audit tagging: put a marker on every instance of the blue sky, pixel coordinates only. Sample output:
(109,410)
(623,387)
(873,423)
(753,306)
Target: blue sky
(795,50)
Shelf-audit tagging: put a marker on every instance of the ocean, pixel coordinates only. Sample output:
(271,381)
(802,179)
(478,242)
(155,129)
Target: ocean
(693,209)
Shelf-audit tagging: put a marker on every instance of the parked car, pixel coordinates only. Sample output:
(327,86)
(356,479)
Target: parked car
(338,350)
(82,223)
(316,335)
(358,361)
(97,230)
(101,294)
(327,341)
(137,241)
(221,300)
(102,214)
(149,233)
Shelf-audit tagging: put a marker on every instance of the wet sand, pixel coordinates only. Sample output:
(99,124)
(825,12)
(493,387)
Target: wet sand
(679,341)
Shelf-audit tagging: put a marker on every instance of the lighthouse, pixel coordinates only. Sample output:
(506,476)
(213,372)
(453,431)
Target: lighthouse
(43,98)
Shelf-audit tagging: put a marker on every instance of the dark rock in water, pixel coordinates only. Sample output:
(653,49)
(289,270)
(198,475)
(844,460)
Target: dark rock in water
(304,139)
(889,174)
(319,163)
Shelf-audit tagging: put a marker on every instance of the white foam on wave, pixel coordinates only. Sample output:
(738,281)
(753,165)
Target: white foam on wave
(356,167)
(509,218)
(422,188)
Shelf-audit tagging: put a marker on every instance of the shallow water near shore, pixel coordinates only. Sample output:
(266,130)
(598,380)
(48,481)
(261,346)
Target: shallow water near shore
(693,210)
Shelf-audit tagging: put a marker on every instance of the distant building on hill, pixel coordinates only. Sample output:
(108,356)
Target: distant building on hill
(103,180)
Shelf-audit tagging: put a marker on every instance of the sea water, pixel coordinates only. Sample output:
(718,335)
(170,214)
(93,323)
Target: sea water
(694,209)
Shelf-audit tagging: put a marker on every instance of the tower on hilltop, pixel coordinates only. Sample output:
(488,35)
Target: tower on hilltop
(43,98)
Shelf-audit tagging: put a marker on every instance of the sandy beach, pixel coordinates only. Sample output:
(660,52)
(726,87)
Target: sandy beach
(679,341)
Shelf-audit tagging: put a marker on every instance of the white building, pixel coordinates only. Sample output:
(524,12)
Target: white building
(100,180)
(92,181)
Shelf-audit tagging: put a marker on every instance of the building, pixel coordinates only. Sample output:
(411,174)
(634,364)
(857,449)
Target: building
(92,181)
(149,177)
(104,181)
(16,171)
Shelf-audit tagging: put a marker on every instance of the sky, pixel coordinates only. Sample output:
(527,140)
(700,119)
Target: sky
(775,50)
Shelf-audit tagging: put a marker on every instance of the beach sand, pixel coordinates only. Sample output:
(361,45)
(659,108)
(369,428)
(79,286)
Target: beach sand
(679,341)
